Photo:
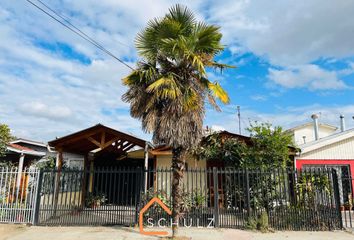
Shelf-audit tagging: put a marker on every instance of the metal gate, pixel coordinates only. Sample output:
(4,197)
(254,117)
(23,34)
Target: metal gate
(102,196)
(18,195)
(228,198)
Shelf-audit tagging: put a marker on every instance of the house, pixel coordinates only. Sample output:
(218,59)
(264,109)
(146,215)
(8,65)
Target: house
(304,133)
(163,154)
(329,149)
(34,152)
(22,156)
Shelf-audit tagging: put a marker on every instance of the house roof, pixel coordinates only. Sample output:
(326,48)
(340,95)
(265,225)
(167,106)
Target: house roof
(97,138)
(25,150)
(337,137)
(166,150)
(36,143)
(325,125)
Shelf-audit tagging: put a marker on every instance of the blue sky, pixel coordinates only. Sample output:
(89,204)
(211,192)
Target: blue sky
(293,58)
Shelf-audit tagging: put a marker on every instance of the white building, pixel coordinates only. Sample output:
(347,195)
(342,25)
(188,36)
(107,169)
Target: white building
(321,146)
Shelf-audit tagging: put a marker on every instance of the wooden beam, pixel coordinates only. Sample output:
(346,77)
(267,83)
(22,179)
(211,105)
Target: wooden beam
(107,144)
(94,141)
(74,139)
(127,137)
(103,139)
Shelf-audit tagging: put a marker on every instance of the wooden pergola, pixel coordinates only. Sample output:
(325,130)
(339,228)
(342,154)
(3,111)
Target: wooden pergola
(94,140)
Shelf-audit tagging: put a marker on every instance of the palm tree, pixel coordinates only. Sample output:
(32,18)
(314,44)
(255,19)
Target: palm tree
(167,91)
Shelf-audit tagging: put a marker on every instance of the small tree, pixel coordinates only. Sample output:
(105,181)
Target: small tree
(268,148)
(5,138)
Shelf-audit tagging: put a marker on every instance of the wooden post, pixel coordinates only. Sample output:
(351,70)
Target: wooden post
(19,172)
(91,175)
(83,186)
(59,166)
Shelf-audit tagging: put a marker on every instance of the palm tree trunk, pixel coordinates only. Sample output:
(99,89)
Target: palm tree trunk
(178,166)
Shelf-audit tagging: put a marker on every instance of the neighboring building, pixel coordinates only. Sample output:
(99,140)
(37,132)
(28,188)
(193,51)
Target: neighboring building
(163,154)
(31,152)
(20,155)
(335,150)
(305,134)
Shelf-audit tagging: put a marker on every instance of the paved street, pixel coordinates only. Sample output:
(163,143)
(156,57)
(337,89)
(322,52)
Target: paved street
(19,232)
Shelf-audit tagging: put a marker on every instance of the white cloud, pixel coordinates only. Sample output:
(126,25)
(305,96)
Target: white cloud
(309,75)
(258,97)
(39,109)
(286,117)
(44,94)
(288,33)
(216,128)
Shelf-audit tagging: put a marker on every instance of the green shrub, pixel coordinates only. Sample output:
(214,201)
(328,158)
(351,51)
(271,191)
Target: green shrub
(259,222)
(251,223)
(263,222)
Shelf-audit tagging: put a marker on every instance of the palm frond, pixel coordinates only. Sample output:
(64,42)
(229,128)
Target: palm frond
(182,15)
(220,66)
(190,99)
(219,92)
(165,88)
(213,103)
(207,38)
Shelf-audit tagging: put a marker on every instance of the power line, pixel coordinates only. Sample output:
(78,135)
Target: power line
(66,20)
(76,30)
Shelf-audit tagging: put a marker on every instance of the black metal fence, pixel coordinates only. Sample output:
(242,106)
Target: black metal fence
(229,198)
(346,181)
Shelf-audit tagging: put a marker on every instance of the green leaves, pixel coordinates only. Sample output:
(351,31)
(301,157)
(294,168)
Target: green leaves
(268,148)
(5,138)
(165,88)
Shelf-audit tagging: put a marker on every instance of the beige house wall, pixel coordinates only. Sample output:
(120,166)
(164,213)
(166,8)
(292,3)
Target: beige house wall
(192,181)
(63,199)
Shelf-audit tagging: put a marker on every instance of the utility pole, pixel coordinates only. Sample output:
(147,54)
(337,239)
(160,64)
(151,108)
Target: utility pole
(239,119)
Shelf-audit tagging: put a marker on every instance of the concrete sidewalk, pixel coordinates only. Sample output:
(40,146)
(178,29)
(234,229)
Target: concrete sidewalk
(19,232)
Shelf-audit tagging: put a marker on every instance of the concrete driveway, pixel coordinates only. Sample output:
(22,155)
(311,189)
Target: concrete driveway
(19,232)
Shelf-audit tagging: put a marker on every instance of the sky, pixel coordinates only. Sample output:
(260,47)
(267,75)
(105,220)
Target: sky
(293,59)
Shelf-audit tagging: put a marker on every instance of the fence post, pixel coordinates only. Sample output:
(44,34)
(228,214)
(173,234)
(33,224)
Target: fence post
(336,196)
(247,191)
(140,185)
(216,196)
(37,201)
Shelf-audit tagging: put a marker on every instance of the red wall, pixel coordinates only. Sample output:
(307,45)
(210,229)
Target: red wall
(300,162)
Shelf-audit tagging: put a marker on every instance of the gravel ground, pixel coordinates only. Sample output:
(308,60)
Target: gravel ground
(20,232)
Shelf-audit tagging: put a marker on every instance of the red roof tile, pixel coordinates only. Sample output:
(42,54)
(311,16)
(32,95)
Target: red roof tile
(19,147)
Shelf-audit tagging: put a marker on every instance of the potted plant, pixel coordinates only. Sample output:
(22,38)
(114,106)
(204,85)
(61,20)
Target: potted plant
(94,201)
